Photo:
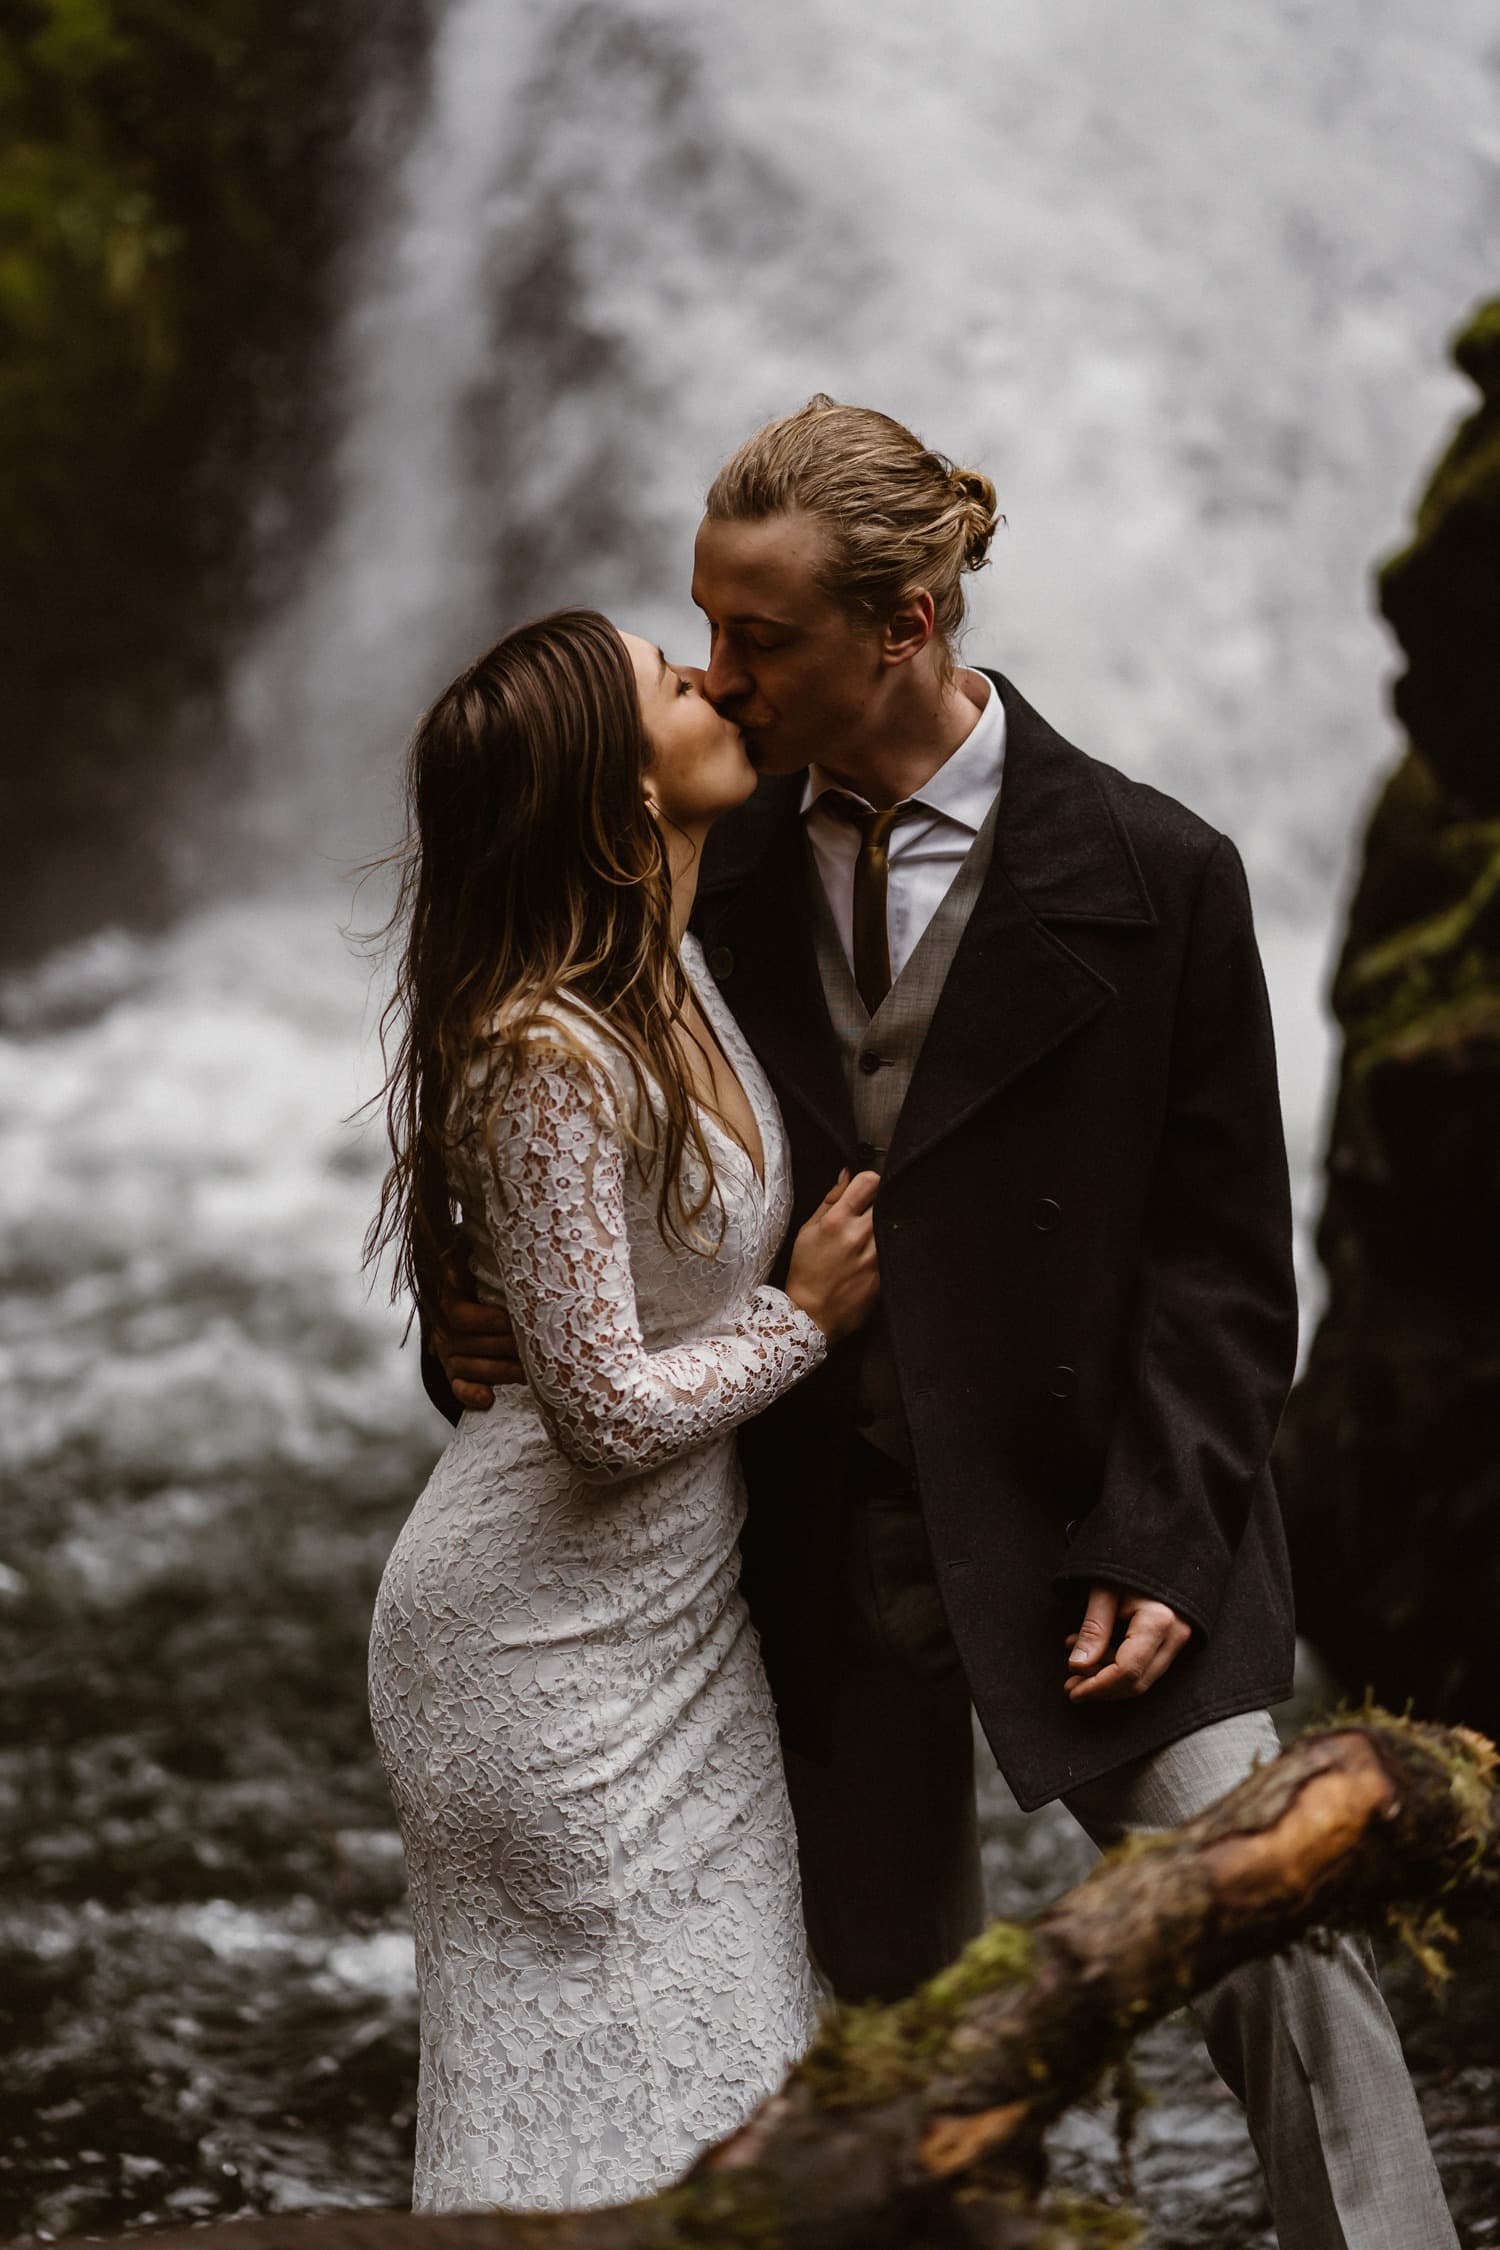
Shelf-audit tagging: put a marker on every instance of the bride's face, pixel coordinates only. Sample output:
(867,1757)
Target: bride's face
(698,764)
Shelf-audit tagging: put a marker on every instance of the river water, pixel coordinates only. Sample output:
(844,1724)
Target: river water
(1180,278)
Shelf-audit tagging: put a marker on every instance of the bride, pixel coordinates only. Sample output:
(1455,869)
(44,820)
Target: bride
(564,1683)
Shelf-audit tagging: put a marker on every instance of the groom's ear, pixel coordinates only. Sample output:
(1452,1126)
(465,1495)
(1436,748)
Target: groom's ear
(909,627)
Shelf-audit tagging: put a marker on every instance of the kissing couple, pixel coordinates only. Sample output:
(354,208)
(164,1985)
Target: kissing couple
(859,1111)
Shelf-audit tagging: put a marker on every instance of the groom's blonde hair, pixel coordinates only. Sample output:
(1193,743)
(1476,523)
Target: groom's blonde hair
(899,515)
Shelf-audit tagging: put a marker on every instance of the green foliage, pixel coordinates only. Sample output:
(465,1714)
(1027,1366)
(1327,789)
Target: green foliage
(133,141)
(176,179)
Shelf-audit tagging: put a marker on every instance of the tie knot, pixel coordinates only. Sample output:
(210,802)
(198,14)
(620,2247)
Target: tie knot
(873,826)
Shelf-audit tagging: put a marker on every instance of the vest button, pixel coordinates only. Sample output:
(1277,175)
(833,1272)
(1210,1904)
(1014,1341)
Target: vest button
(1064,1383)
(869,1063)
(720,962)
(1046,1215)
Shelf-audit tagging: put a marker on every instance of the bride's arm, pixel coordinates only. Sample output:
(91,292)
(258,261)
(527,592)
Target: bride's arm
(556,1165)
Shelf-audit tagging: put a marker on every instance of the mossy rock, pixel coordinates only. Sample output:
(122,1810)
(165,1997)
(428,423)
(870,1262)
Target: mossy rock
(1427,982)
(1386,1458)
(1441,593)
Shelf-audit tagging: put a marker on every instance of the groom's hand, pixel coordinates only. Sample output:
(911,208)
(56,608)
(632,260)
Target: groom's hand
(475,1344)
(1151,1637)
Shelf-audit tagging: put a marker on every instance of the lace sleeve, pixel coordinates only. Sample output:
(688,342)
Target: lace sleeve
(556,1159)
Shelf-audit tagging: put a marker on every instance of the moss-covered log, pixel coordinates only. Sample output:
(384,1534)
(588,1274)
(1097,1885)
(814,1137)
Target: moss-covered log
(922,2124)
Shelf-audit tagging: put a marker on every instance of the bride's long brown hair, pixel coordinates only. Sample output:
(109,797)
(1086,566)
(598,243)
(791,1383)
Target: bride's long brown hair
(534,882)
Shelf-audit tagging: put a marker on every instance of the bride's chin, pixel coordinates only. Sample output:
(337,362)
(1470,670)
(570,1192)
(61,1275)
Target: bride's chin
(740,781)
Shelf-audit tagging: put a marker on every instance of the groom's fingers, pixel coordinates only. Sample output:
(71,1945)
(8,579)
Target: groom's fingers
(481,1357)
(1154,1637)
(464,1320)
(478,1367)
(1090,1644)
(475,1398)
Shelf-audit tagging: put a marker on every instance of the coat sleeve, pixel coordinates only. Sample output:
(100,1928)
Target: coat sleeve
(1215,1333)
(436,1384)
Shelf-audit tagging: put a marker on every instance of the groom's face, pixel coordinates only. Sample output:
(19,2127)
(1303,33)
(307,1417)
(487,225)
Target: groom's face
(794,671)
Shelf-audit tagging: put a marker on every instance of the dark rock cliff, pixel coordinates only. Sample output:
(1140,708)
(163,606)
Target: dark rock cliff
(1389,1456)
(181,183)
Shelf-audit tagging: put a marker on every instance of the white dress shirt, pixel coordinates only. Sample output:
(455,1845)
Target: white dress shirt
(927,846)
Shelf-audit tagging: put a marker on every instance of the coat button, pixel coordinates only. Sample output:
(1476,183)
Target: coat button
(720,962)
(869,1063)
(1064,1382)
(1046,1215)
(1070,1528)
(866,1157)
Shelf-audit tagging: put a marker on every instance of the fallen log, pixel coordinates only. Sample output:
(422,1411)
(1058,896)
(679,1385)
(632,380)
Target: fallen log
(919,2126)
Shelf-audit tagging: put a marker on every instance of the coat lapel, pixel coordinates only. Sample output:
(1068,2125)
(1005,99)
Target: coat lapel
(755,918)
(1016,989)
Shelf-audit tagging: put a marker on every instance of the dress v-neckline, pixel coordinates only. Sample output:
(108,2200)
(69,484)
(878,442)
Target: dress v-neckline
(699,982)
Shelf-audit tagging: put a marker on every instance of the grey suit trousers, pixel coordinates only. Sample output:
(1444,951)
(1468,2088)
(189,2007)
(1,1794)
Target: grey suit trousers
(891,1878)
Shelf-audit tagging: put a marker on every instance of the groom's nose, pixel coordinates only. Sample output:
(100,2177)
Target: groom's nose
(725,681)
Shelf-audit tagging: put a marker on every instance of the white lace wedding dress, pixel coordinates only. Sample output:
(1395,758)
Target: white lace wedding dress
(565,1686)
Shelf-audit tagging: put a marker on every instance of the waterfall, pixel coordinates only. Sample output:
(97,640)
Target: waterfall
(1180,280)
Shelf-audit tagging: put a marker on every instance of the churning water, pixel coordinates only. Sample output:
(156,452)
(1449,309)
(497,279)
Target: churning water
(1180,277)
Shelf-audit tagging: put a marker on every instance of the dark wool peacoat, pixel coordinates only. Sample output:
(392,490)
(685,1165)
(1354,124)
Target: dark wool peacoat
(1085,1252)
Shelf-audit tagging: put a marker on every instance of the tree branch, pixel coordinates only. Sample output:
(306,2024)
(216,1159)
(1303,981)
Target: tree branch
(921,2124)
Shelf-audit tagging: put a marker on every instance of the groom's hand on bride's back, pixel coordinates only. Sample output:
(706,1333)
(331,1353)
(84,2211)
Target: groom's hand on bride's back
(474,1344)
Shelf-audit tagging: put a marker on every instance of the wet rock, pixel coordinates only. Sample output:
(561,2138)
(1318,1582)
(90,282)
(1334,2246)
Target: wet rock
(1389,1457)
(1441,593)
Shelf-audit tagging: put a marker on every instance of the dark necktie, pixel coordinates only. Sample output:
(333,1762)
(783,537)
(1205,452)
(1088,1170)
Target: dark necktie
(872,943)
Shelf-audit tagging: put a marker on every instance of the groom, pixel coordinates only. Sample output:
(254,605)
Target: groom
(1026,989)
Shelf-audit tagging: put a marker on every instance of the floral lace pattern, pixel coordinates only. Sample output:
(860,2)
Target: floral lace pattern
(565,1685)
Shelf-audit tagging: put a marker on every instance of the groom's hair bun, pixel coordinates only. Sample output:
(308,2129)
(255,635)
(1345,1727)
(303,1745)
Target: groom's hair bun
(899,514)
(980,515)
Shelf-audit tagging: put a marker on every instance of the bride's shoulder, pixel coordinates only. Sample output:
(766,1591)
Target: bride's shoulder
(562,1047)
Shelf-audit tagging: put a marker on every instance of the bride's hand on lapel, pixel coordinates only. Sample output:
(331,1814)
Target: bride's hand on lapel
(834,1276)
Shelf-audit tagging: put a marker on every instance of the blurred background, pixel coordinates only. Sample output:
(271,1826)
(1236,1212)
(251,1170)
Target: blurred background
(337,336)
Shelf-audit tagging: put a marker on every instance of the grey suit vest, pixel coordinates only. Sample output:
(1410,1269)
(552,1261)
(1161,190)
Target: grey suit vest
(879,1055)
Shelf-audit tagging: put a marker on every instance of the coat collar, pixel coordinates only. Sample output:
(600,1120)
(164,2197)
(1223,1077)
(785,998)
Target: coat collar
(1059,842)
(1016,989)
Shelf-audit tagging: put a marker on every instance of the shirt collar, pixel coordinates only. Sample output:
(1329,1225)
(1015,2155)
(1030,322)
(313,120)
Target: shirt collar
(965,785)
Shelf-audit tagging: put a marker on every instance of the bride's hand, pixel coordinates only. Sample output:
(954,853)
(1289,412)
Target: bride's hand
(834,1276)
